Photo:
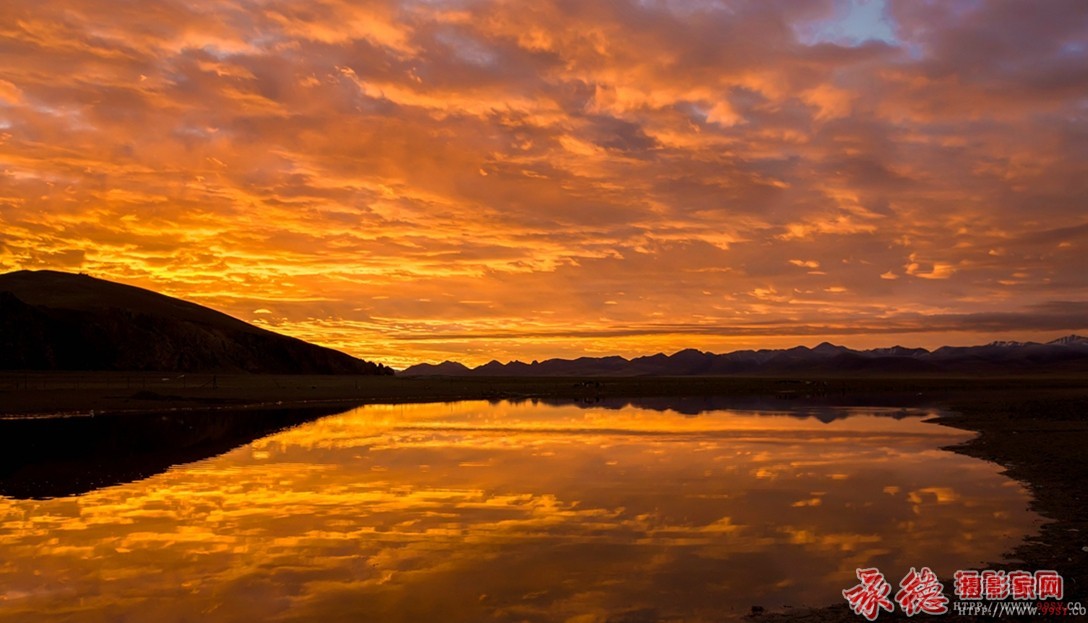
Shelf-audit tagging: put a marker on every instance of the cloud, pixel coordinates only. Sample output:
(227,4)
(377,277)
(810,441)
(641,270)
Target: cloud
(584,168)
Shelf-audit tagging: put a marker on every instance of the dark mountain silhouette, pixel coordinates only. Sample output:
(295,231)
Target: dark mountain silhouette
(1064,355)
(61,321)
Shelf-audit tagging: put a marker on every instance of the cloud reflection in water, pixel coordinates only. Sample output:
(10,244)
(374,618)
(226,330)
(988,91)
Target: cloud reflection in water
(512,512)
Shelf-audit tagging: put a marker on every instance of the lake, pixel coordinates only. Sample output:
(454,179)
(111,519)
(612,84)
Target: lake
(478,511)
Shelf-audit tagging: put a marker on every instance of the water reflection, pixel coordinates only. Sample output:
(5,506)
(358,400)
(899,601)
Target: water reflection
(825,408)
(504,512)
(61,456)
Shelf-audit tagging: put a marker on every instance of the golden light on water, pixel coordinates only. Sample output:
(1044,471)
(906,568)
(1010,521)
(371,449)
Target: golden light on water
(473,511)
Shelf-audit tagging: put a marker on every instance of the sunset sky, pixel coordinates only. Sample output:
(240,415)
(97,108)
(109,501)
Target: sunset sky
(427,180)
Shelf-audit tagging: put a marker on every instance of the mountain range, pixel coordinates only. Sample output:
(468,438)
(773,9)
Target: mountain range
(1068,354)
(52,320)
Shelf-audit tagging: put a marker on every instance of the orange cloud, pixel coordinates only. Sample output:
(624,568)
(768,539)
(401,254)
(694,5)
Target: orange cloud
(407,181)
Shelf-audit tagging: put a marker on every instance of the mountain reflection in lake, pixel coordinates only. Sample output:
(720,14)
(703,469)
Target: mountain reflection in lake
(515,512)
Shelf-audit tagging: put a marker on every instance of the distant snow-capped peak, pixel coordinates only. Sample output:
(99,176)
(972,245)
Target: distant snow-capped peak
(1070,340)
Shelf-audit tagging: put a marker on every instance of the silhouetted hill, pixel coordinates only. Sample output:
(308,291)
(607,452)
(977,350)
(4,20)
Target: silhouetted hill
(60,321)
(1065,355)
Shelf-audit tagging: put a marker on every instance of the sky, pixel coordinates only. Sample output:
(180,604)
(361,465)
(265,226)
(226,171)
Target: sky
(487,179)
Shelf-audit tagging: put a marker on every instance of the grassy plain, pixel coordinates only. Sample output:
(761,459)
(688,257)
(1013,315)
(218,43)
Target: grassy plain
(81,392)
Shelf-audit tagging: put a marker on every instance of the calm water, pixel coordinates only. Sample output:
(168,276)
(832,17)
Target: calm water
(515,512)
